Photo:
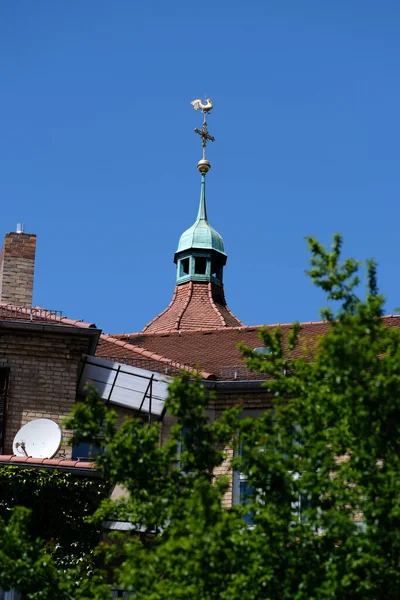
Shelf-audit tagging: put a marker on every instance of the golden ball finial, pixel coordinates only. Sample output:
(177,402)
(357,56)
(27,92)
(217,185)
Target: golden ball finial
(203,166)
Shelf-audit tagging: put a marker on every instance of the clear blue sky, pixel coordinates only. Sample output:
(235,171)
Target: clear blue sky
(98,155)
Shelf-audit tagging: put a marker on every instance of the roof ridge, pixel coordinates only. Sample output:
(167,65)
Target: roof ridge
(224,304)
(228,328)
(186,304)
(234,316)
(206,329)
(210,296)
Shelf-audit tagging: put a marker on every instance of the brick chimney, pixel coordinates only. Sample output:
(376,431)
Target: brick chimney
(17,263)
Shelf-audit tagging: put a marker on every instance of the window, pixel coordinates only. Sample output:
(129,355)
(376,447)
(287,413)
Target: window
(10,595)
(200,265)
(245,492)
(242,490)
(302,503)
(184,265)
(263,350)
(216,269)
(85,451)
(181,448)
(121,594)
(4,372)
(242,493)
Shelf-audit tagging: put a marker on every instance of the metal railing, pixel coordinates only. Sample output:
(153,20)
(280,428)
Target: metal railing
(166,368)
(29,313)
(226,372)
(239,372)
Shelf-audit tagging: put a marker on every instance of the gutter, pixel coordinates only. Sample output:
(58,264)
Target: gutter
(234,384)
(79,471)
(91,332)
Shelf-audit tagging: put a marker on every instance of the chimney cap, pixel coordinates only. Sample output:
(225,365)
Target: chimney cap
(20,228)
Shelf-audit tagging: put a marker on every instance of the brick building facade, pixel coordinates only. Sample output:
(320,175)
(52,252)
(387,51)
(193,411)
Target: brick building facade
(41,357)
(42,362)
(42,353)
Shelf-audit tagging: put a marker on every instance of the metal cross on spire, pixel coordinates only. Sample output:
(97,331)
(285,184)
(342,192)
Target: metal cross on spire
(203,165)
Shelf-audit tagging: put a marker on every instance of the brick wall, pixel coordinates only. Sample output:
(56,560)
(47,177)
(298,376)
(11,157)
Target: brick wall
(248,398)
(43,378)
(167,422)
(226,469)
(253,402)
(17,263)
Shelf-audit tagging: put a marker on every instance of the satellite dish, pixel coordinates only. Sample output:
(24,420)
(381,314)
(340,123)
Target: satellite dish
(40,438)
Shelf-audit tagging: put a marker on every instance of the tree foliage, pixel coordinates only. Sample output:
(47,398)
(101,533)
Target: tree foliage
(322,469)
(47,543)
(59,504)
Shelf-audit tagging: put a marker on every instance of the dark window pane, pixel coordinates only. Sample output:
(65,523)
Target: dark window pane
(245,496)
(182,447)
(201,266)
(85,451)
(3,393)
(184,267)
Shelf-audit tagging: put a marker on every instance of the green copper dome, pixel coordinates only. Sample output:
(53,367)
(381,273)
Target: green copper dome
(201,235)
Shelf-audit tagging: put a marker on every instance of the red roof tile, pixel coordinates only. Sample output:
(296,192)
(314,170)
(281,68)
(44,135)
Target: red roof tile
(194,305)
(214,350)
(124,351)
(34,314)
(50,462)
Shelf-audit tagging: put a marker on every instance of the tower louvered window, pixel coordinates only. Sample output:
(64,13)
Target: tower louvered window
(4,372)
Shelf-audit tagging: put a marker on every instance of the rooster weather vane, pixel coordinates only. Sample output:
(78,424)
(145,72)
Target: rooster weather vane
(203,165)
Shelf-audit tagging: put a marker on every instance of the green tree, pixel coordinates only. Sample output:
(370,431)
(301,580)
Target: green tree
(322,470)
(46,542)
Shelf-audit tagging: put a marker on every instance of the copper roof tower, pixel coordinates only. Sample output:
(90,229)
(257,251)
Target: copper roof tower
(198,301)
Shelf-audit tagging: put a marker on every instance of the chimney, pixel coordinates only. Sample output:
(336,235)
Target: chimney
(17,263)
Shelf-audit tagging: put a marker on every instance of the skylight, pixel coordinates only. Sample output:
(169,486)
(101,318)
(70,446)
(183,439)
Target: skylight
(263,350)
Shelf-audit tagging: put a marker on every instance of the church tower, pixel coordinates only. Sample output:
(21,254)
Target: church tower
(198,301)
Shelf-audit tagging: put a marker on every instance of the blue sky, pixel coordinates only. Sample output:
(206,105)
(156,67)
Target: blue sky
(98,155)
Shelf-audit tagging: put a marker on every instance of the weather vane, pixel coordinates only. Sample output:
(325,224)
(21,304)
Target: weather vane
(203,164)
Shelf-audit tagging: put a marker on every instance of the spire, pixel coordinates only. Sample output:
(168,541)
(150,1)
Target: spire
(200,255)
(203,165)
(202,214)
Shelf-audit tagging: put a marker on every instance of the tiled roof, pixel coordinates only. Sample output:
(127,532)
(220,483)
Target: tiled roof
(214,350)
(34,314)
(60,463)
(194,305)
(121,350)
